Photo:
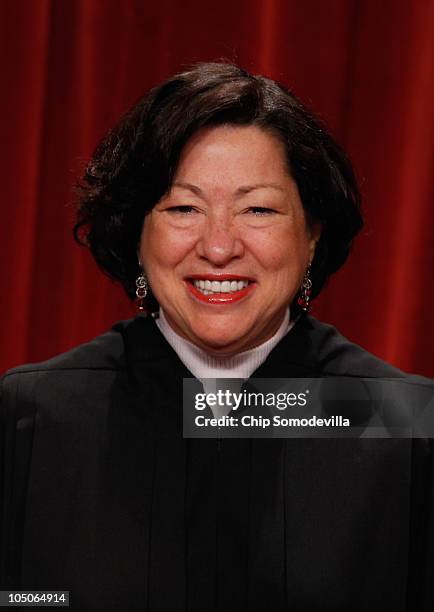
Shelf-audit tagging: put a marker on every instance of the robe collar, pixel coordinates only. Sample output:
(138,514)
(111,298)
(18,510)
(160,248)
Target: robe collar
(145,347)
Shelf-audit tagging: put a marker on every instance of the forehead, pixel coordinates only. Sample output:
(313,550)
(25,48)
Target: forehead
(232,153)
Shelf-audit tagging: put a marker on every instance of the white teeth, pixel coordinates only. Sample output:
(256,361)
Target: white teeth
(207,287)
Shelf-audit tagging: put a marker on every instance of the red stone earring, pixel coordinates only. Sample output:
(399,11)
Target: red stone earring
(305,291)
(141,291)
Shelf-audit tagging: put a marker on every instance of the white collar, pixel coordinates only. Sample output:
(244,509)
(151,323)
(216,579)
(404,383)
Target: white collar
(203,366)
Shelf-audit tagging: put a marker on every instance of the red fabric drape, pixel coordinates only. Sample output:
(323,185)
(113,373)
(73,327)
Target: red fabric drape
(71,68)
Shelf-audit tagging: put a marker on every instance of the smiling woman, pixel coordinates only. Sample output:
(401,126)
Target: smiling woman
(226,249)
(222,206)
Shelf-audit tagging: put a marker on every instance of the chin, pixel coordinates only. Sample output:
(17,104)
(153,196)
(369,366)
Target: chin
(220,344)
(222,351)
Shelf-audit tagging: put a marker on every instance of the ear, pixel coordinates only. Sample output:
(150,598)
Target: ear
(138,254)
(315,230)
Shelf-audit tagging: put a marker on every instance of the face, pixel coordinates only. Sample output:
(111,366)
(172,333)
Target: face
(226,249)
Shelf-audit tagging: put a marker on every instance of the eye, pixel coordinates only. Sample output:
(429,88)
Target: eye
(183,210)
(260,211)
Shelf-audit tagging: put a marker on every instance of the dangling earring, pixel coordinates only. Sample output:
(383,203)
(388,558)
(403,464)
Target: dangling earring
(305,290)
(141,291)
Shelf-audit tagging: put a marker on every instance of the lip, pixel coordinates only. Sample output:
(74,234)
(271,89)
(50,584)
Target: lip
(219,298)
(218,277)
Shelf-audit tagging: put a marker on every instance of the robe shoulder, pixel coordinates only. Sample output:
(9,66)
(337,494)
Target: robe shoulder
(105,351)
(336,355)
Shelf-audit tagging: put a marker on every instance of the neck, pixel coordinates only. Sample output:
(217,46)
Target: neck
(204,364)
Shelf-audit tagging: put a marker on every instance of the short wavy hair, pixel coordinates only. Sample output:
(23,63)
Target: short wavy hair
(134,165)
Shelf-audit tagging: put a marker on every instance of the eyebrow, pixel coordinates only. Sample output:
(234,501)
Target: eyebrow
(243,190)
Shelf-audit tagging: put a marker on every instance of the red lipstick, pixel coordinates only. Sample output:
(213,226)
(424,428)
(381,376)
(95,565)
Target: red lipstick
(219,298)
(219,277)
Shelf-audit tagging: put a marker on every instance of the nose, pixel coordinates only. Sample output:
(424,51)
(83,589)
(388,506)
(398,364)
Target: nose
(219,242)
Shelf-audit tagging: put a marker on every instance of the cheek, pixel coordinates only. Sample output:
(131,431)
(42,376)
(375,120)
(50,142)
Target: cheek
(283,251)
(162,247)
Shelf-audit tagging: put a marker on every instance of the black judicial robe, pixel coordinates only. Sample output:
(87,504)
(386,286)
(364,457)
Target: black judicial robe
(102,496)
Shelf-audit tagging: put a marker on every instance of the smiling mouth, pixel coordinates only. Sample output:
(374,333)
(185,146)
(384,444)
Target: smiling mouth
(208,287)
(225,291)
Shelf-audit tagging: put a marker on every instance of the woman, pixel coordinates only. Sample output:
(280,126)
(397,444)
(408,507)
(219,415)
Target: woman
(221,204)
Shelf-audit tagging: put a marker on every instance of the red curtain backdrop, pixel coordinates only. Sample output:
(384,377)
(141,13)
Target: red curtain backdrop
(69,69)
